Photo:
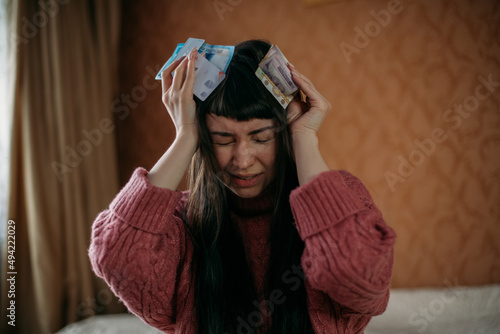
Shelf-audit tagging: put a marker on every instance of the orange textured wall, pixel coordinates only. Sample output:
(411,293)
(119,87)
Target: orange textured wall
(415,88)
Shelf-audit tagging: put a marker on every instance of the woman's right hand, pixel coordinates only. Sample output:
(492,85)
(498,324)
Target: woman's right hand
(177,94)
(178,98)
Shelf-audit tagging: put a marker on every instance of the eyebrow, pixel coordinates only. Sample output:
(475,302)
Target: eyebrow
(254,132)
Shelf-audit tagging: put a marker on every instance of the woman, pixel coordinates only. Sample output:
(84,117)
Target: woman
(266,240)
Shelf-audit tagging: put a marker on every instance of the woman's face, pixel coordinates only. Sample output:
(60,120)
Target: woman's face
(245,152)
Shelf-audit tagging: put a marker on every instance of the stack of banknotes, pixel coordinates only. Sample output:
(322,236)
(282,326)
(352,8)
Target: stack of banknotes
(274,73)
(210,68)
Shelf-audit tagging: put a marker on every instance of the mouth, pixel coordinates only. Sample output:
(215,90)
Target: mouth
(245,181)
(245,177)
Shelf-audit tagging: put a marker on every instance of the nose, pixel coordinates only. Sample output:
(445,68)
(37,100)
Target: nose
(243,155)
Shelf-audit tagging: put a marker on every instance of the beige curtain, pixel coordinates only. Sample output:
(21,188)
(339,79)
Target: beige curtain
(63,166)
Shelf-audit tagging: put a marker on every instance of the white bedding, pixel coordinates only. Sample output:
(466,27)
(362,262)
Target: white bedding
(453,310)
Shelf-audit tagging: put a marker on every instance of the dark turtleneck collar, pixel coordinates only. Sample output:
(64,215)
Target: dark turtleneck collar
(260,204)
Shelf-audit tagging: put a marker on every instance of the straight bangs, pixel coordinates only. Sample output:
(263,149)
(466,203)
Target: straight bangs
(242,96)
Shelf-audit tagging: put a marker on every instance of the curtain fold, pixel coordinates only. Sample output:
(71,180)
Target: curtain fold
(63,166)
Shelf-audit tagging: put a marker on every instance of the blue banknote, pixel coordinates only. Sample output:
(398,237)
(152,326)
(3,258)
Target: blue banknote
(210,68)
(218,55)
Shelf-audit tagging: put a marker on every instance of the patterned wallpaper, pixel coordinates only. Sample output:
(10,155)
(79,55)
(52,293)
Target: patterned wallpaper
(415,89)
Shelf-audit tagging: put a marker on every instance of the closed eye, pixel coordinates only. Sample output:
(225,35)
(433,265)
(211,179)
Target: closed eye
(222,138)
(262,140)
(264,137)
(223,143)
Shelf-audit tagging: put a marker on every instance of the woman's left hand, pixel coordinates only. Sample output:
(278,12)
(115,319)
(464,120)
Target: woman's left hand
(306,117)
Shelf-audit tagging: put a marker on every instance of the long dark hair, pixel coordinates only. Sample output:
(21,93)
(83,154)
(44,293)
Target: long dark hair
(224,286)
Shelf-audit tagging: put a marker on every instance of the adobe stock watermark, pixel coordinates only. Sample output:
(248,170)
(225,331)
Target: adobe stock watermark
(294,278)
(73,156)
(453,117)
(31,27)
(95,305)
(223,6)
(364,35)
(436,307)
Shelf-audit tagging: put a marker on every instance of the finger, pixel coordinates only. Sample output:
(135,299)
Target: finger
(190,74)
(297,75)
(294,114)
(307,87)
(295,109)
(180,74)
(166,76)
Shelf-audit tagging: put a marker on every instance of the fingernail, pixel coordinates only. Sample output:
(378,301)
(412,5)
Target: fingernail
(291,65)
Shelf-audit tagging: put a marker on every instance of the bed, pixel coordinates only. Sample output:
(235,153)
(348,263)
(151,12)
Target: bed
(453,310)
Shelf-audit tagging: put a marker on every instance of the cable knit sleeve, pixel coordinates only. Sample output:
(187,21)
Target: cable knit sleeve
(139,248)
(348,247)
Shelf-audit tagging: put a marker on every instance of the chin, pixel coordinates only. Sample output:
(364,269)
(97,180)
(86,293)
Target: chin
(247,193)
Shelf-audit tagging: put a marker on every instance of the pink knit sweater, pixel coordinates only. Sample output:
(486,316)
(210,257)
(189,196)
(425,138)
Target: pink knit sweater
(141,248)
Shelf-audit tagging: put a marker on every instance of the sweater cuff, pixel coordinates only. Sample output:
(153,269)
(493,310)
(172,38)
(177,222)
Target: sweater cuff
(323,202)
(145,206)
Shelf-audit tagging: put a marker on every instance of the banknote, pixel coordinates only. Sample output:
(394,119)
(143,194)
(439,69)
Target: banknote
(170,60)
(181,50)
(276,77)
(283,99)
(210,68)
(219,55)
(275,67)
